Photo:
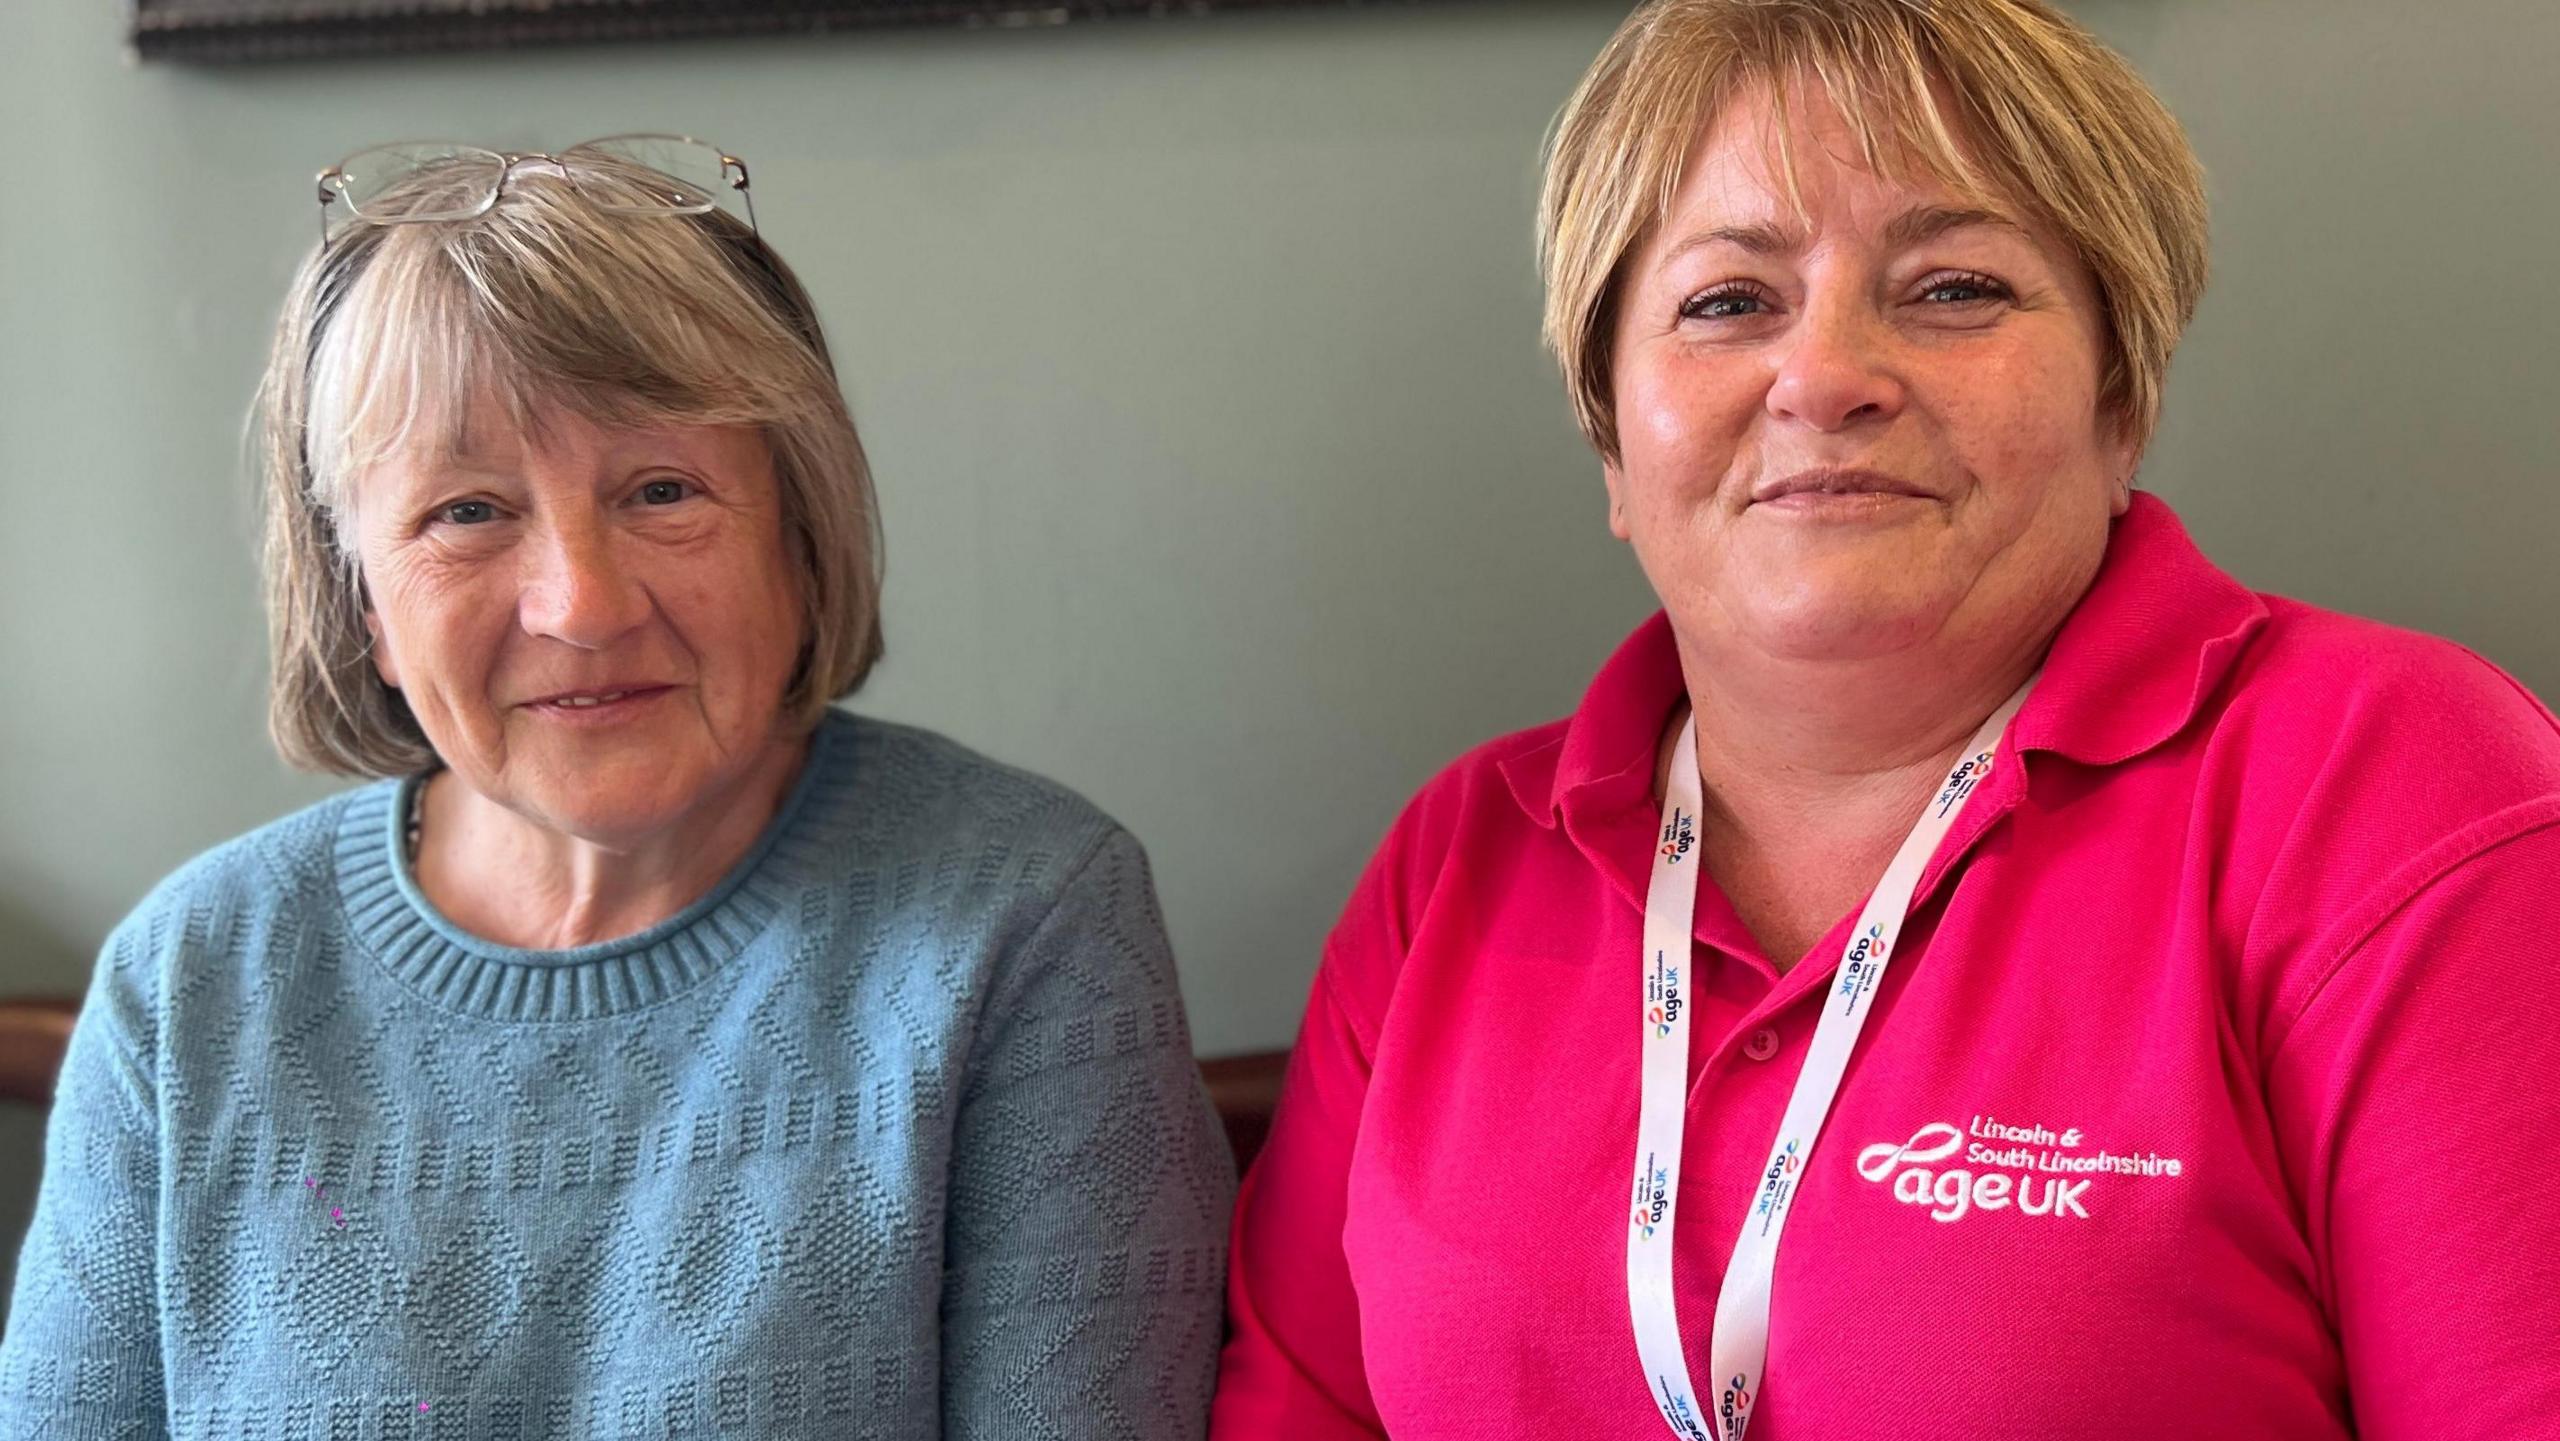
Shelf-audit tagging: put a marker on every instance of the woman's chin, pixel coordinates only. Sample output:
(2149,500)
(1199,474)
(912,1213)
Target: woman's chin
(618,807)
(1839,622)
(623,792)
(616,823)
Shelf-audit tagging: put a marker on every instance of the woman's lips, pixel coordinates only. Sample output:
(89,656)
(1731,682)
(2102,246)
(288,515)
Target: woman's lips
(598,707)
(1835,483)
(1837,494)
(1840,504)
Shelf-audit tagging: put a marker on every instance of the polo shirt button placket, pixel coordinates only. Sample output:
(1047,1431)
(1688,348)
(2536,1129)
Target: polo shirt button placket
(1761,1044)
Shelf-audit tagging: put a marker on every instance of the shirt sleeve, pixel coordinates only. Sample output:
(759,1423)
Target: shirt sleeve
(81,1360)
(1090,1185)
(1293,1370)
(2417,1119)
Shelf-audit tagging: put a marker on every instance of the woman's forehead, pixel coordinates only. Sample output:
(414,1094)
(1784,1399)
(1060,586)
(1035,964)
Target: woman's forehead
(442,351)
(1791,157)
(1764,187)
(491,433)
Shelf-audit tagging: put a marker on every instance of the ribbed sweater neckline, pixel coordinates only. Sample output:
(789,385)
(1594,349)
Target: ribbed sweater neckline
(394,922)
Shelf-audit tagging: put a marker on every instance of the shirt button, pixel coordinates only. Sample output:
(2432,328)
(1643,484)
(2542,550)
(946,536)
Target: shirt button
(1762,1045)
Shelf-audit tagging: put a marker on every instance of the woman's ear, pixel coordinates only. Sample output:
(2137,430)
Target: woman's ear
(1616,480)
(2123,460)
(383,664)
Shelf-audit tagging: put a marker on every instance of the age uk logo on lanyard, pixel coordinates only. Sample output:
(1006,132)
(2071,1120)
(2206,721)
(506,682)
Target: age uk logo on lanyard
(1738,1348)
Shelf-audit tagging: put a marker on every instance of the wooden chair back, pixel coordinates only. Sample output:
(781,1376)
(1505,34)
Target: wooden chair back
(34,1031)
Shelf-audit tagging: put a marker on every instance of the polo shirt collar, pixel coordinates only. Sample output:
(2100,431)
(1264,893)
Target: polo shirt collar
(2154,637)
(1606,754)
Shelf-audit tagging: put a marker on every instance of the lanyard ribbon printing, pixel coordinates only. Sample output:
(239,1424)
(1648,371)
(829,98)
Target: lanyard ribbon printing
(1739,1345)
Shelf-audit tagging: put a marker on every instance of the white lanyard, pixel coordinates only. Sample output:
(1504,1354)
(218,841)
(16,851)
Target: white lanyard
(1739,1345)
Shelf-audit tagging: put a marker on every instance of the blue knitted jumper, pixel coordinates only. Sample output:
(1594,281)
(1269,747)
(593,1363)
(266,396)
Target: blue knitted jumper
(895,1133)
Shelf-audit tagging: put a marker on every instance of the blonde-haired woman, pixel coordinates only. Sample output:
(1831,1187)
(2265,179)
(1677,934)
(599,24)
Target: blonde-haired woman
(653,1050)
(1969,967)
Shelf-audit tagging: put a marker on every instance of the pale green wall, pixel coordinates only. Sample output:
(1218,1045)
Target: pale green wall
(1223,476)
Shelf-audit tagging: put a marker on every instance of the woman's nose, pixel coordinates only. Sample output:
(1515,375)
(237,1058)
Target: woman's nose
(578,588)
(1835,371)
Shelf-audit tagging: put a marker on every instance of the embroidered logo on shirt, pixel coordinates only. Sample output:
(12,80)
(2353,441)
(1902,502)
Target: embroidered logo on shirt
(1994,1154)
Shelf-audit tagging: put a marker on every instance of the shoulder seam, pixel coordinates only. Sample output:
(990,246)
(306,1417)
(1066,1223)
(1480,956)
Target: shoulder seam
(1102,837)
(2532,701)
(2428,869)
(1363,1032)
(1066,886)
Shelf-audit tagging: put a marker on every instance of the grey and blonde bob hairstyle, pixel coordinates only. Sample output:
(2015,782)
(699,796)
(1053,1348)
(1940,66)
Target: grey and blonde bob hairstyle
(544,302)
(2008,103)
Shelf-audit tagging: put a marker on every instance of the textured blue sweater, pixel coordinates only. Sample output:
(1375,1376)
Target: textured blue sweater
(895,1133)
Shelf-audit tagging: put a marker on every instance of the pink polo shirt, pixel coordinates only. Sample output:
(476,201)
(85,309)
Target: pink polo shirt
(2225,1024)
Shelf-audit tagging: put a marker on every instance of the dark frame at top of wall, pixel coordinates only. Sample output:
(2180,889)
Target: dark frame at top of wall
(228,31)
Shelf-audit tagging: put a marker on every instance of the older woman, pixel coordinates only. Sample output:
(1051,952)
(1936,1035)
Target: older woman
(654,1050)
(1969,967)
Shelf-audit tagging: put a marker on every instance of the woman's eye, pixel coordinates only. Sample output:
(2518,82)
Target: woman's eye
(1721,305)
(664,492)
(468,512)
(1965,290)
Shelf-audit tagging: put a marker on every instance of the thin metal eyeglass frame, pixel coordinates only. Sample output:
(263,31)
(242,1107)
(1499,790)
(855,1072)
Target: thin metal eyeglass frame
(332,180)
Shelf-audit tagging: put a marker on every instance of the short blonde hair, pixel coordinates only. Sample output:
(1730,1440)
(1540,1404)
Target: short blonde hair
(543,301)
(2045,118)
